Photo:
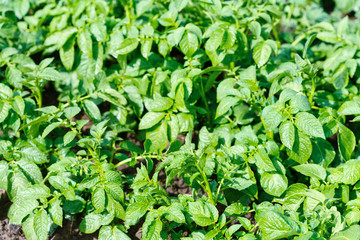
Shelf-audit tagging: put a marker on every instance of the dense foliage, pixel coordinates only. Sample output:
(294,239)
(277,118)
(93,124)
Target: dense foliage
(266,93)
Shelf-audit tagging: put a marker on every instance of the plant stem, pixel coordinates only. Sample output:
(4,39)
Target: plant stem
(207,186)
(218,190)
(136,158)
(208,112)
(313,88)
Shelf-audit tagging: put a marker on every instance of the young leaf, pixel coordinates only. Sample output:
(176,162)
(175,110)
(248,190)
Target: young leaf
(274,183)
(68,137)
(112,233)
(98,199)
(4,110)
(56,212)
(150,119)
(41,224)
(18,105)
(287,134)
(274,225)
(346,141)
(92,110)
(127,46)
(189,44)
(347,173)
(84,42)
(136,210)
(312,170)
(261,53)
(302,148)
(204,214)
(272,117)
(19,210)
(90,223)
(309,124)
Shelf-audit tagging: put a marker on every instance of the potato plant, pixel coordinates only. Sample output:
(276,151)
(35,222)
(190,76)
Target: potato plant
(254,104)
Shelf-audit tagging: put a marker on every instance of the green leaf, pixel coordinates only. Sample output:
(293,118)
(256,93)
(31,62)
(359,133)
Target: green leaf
(346,141)
(98,199)
(323,152)
(71,112)
(21,8)
(50,128)
(49,74)
(174,213)
(112,233)
(131,147)
(287,134)
(20,209)
(4,172)
(158,104)
(150,119)
(263,161)
(349,108)
(274,184)
(30,170)
(127,46)
(152,231)
(5,91)
(309,124)
(204,214)
(255,28)
(41,224)
(274,225)
(18,105)
(347,173)
(136,210)
(302,148)
(56,212)
(239,183)
(189,44)
(85,42)
(68,137)
(98,29)
(300,102)
(4,110)
(58,39)
(341,77)
(36,191)
(143,6)
(146,47)
(272,117)
(28,228)
(312,170)
(168,18)
(261,53)
(67,55)
(157,138)
(350,233)
(115,190)
(33,154)
(342,26)
(91,223)
(225,105)
(92,110)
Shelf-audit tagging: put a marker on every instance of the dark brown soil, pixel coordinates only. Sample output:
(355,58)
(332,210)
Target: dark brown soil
(69,231)
(8,232)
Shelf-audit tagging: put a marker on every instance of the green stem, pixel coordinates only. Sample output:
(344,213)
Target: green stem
(136,158)
(313,88)
(276,35)
(269,134)
(219,188)
(208,112)
(207,186)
